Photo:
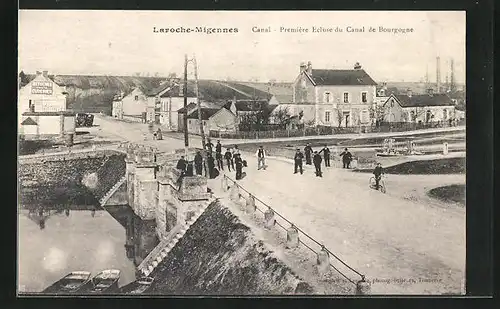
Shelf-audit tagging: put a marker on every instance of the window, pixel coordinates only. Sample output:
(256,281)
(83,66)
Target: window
(327,116)
(136,98)
(346,97)
(363,97)
(445,114)
(392,102)
(327,97)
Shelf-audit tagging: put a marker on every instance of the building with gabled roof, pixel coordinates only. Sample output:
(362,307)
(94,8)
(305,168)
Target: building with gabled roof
(424,108)
(333,97)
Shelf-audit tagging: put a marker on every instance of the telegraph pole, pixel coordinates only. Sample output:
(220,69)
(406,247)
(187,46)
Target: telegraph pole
(200,119)
(186,136)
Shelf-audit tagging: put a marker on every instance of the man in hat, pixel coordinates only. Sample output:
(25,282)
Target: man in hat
(326,155)
(346,158)
(317,163)
(181,166)
(299,156)
(261,158)
(308,151)
(238,162)
(198,163)
(229,159)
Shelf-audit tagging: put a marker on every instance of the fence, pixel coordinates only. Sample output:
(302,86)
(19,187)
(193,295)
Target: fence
(328,130)
(362,287)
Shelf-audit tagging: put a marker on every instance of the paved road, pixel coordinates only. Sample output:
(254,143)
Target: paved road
(385,237)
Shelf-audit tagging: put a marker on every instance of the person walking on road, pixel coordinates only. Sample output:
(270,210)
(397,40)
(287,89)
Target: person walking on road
(299,156)
(326,155)
(261,158)
(218,158)
(346,158)
(308,151)
(317,164)
(198,163)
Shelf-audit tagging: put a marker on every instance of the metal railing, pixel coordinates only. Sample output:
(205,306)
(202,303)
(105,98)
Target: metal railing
(322,246)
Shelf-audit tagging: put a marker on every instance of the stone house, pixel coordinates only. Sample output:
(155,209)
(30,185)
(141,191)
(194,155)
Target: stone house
(423,108)
(333,97)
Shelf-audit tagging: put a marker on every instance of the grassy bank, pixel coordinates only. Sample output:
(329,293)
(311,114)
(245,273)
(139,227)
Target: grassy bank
(449,194)
(437,166)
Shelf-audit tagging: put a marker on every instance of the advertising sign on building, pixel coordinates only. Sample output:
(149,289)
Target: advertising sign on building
(41,87)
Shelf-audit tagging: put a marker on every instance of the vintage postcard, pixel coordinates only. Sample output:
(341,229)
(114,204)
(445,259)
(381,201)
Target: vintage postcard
(241,153)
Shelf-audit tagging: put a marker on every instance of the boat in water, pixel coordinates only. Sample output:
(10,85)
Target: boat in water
(105,281)
(73,282)
(139,286)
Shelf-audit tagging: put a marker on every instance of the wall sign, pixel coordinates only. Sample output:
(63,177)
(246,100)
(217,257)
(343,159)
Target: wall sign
(41,87)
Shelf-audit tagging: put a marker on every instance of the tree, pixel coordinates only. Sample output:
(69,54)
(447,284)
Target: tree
(282,116)
(340,117)
(377,112)
(23,79)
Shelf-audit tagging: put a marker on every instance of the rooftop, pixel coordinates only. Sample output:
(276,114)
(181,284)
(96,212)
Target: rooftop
(342,77)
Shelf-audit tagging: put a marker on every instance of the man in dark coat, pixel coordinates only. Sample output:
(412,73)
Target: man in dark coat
(326,155)
(346,158)
(299,156)
(218,147)
(209,146)
(218,158)
(198,163)
(211,165)
(317,163)
(239,166)
(308,151)
(378,171)
(181,166)
(229,159)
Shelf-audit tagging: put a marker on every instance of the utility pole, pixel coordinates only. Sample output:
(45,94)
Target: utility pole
(186,136)
(200,119)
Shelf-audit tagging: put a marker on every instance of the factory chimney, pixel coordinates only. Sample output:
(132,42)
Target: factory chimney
(438,75)
(452,76)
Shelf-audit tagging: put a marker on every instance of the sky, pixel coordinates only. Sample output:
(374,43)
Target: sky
(123,43)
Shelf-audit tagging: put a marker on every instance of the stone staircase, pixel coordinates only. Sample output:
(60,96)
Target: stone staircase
(166,245)
(111,191)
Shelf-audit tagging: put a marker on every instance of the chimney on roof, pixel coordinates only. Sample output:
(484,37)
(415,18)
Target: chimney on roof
(45,73)
(303,67)
(309,68)
(408,92)
(357,66)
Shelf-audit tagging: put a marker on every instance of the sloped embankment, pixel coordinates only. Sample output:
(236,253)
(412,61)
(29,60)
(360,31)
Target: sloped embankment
(220,256)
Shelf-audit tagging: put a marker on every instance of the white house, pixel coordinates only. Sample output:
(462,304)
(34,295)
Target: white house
(422,108)
(333,97)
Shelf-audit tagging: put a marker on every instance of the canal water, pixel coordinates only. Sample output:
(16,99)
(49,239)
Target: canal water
(55,242)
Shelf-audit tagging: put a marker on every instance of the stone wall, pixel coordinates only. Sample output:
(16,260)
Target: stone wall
(45,176)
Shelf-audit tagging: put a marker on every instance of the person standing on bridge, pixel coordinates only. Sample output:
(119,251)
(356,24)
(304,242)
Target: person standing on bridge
(218,147)
(181,166)
(317,164)
(198,163)
(346,158)
(299,156)
(229,159)
(239,166)
(211,165)
(209,146)
(326,155)
(218,158)
(261,158)
(308,151)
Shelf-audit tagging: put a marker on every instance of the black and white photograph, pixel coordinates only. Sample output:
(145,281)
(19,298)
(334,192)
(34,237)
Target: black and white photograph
(249,153)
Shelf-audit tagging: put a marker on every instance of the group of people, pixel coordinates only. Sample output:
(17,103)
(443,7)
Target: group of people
(215,162)
(314,157)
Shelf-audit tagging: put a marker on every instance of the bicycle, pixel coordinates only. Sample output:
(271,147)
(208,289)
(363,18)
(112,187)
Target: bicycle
(381,184)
